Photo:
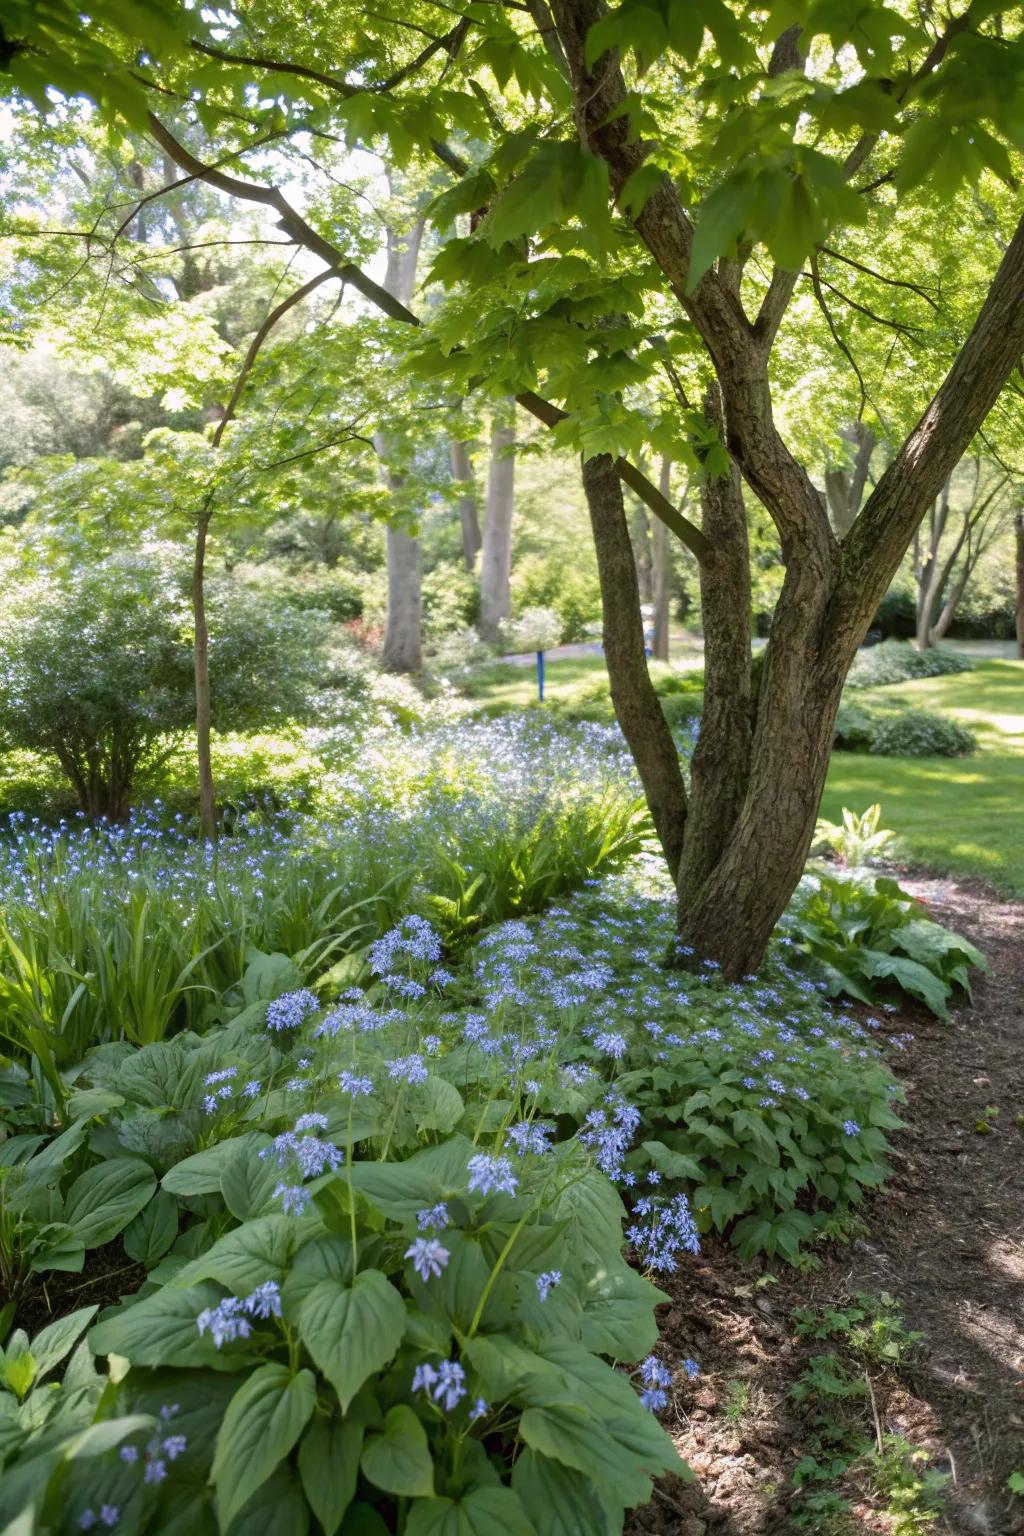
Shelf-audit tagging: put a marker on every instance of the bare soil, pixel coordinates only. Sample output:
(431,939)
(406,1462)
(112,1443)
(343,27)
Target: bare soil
(945,1238)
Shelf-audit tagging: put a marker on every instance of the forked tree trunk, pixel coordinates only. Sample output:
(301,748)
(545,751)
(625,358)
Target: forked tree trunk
(496,554)
(729,905)
(661,570)
(1018,533)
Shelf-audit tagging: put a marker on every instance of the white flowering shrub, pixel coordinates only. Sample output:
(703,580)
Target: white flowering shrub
(535,629)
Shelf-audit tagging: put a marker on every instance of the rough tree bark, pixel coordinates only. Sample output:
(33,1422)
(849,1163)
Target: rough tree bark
(742,852)
(462,472)
(661,569)
(496,554)
(633,697)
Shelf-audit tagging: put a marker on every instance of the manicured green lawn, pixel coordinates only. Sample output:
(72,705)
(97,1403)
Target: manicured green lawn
(958,816)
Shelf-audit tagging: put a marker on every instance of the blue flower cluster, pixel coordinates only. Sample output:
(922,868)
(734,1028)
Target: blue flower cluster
(231,1318)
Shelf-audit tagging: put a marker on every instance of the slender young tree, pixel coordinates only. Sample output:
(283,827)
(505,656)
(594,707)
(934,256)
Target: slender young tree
(403,636)
(496,553)
(661,569)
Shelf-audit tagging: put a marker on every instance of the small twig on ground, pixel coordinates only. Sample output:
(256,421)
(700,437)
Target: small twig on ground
(874,1413)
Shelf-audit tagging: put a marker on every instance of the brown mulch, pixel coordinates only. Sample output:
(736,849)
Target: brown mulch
(945,1239)
(107,1277)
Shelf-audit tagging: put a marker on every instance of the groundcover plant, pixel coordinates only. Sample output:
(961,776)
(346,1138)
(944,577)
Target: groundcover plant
(398,1246)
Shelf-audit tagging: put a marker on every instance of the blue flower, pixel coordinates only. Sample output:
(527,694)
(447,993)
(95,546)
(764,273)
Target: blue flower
(691,1368)
(435,1217)
(654,1398)
(288,1012)
(530,1136)
(851,1128)
(349,1082)
(428,1256)
(547,1281)
(489,1174)
(408,1069)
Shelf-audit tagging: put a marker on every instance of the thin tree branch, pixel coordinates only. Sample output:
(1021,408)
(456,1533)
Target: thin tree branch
(304,234)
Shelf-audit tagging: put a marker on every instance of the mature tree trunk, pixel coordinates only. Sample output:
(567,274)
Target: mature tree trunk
(661,570)
(403,642)
(201,669)
(1018,532)
(721,759)
(403,636)
(496,556)
(462,472)
(633,697)
(730,902)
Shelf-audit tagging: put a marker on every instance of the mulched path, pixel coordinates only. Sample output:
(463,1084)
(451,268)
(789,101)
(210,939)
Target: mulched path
(946,1239)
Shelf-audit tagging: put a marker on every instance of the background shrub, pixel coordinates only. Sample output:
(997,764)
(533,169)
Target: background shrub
(921,733)
(895,661)
(97,670)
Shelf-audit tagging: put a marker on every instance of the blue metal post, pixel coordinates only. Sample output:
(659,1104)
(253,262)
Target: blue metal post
(540,676)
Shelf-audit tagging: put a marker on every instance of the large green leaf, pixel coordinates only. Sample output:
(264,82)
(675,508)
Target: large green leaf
(248,1180)
(149,1235)
(277,1508)
(483,1512)
(329,1468)
(258,1250)
(263,1421)
(622,1454)
(162,1330)
(352,1330)
(911,975)
(53,1342)
(201,1173)
(103,1200)
(399,1460)
(559,1500)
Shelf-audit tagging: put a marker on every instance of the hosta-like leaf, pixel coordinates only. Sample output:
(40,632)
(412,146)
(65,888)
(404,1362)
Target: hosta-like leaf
(482,1512)
(399,1460)
(263,1421)
(103,1200)
(352,1330)
(329,1468)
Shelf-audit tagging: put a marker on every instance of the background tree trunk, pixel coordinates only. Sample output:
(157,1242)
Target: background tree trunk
(661,570)
(1018,531)
(845,483)
(201,670)
(403,639)
(462,471)
(403,643)
(496,555)
(640,537)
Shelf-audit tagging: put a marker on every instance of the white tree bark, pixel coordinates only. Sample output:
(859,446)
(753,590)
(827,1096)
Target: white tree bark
(496,557)
(403,641)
